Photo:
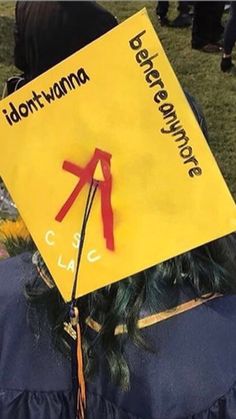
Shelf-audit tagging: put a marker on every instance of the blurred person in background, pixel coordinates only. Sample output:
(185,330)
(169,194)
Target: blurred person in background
(207,29)
(46,32)
(183,19)
(226,64)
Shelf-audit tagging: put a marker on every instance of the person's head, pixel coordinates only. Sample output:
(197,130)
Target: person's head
(207,269)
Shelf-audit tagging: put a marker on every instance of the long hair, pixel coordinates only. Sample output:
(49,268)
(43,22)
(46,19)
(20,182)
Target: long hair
(208,269)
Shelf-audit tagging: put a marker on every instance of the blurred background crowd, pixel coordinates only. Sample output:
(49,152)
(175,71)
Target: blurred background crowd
(208,33)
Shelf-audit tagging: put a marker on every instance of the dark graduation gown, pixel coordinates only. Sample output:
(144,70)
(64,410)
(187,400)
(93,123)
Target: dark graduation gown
(35,380)
(192,374)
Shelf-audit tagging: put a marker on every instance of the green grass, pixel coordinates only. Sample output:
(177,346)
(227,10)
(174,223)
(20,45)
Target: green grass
(6,41)
(197,72)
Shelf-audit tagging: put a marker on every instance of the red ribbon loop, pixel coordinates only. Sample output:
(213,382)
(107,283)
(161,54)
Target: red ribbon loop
(86,176)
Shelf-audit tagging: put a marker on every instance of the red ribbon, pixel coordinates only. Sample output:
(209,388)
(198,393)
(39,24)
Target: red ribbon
(86,176)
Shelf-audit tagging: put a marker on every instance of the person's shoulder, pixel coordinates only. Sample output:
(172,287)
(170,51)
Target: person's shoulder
(224,305)
(15,261)
(15,272)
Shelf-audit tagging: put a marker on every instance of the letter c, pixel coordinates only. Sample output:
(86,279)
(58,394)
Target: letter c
(48,235)
(92,257)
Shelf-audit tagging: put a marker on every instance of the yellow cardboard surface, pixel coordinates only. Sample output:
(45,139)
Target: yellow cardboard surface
(118,95)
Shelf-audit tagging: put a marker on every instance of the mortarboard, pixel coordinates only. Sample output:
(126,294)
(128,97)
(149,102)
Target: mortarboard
(112,115)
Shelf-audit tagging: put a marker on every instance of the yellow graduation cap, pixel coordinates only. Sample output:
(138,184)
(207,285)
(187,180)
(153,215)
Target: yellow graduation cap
(112,115)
